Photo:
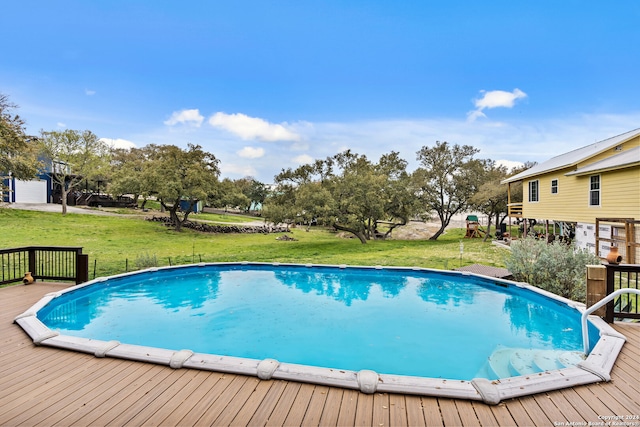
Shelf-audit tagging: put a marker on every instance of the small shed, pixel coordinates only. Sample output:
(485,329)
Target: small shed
(197,206)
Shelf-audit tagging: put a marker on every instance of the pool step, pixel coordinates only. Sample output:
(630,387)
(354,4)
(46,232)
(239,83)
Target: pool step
(508,362)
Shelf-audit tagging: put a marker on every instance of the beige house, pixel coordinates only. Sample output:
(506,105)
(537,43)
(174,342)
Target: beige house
(575,191)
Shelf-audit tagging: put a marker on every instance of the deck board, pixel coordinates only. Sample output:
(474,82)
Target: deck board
(347,410)
(380,409)
(334,399)
(449,412)
(432,413)
(52,387)
(300,405)
(316,406)
(364,411)
(398,410)
(502,414)
(199,398)
(537,415)
(484,414)
(467,413)
(282,408)
(268,404)
(415,411)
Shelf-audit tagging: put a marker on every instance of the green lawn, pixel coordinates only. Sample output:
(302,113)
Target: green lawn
(115,242)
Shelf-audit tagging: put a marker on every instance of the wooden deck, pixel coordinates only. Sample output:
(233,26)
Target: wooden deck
(52,387)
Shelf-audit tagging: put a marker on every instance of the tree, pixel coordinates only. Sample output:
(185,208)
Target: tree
(181,175)
(257,193)
(244,193)
(346,191)
(227,194)
(74,157)
(491,197)
(131,172)
(447,179)
(17,153)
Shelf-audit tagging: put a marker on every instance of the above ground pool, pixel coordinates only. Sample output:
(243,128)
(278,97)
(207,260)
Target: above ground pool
(371,328)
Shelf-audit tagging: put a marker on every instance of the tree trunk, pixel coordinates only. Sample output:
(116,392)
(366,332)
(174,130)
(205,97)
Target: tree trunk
(186,214)
(63,200)
(358,234)
(173,213)
(488,233)
(439,232)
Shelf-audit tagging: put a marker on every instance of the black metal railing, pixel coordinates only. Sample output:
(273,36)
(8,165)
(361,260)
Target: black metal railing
(56,263)
(625,306)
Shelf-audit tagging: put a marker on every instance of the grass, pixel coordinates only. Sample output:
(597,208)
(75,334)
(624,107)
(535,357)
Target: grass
(115,244)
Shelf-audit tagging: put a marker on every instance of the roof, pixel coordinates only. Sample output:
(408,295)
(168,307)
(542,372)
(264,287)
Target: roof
(574,157)
(627,158)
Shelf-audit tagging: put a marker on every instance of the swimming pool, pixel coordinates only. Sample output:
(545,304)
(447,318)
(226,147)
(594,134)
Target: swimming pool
(372,328)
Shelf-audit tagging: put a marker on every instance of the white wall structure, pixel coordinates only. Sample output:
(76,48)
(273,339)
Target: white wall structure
(30,191)
(586,237)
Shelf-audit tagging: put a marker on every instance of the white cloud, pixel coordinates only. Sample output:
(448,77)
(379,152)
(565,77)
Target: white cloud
(61,125)
(509,164)
(238,170)
(191,117)
(251,152)
(252,127)
(303,159)
(118,143)
(494,99)
(89,92)
(518,140)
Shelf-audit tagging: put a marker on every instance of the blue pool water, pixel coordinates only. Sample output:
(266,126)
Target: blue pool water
(393,321)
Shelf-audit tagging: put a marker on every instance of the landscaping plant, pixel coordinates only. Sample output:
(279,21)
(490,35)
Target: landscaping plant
(555,267)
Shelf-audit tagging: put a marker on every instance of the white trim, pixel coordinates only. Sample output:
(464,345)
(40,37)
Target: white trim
(599,190)
(537,187)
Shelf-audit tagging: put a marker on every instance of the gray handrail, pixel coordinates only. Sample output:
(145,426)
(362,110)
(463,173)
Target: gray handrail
(603,301)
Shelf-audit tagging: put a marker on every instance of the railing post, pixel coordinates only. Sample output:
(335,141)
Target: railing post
(32,262)
(610,281)
(596,287)
(82,268)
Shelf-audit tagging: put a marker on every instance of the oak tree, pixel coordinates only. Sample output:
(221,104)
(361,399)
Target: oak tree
(17,151)
(74,157)
(181,175)
(447,178)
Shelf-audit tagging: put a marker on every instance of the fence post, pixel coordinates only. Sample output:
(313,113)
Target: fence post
(82,268)
(610,282)
(32,263)
(596,287)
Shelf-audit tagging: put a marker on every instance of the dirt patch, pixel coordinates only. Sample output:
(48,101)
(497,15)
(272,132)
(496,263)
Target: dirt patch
(415,230)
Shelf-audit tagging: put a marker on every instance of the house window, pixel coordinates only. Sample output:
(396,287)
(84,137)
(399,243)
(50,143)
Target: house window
(554,186)
(533,191)
(594,190)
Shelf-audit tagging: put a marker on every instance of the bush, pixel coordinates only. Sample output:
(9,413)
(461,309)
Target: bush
(555,267)
(144,261)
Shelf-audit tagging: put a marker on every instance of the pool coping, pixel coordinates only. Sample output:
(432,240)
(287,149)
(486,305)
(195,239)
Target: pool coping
(595,368)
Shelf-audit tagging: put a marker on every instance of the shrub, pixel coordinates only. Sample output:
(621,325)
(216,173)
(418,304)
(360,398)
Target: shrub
(144,261)
(555,267)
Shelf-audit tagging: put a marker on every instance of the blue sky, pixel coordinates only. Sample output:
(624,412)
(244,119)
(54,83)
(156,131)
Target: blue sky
(271,85)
